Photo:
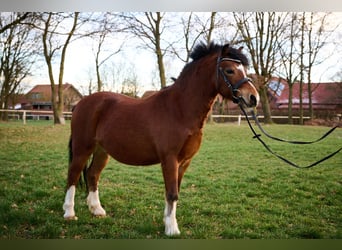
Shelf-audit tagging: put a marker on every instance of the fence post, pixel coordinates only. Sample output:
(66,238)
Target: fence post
(24,117)
(239,120)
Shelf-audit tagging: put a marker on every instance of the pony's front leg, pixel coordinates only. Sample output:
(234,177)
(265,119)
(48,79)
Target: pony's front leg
(68,206)
(170,174)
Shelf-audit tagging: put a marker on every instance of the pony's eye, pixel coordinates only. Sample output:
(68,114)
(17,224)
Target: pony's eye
(229,71)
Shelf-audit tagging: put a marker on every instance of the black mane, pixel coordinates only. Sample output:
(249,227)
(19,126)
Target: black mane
(238,55)
(202,50)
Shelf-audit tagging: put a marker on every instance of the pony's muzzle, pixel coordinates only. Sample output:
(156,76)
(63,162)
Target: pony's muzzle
(253,100)
(249,101)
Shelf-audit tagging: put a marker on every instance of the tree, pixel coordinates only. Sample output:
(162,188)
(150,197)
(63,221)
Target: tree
(149,27)
(260,32)
(18,19)
(301,75)
(106,26)
(130,85)
(17,55)
(317,38)
(195,27)
(289,57)
(304,39)
(53,43)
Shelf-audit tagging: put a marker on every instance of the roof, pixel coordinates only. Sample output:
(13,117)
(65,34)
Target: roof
(46,88)
(324,95)
(45,91)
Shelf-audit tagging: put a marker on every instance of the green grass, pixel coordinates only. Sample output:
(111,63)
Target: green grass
(233,189)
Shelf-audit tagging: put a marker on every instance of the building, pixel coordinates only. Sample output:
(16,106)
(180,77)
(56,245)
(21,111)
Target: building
(39,98)
(326,98)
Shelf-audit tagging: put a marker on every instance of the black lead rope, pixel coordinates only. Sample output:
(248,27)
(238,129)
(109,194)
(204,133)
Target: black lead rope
(257,136)
(255,118)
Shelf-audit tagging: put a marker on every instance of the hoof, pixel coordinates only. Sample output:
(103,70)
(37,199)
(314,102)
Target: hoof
(70,218)
(97,211)
(99,215)
(172,232)
(171,227)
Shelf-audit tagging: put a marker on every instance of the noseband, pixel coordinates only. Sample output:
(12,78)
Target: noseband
(233,88)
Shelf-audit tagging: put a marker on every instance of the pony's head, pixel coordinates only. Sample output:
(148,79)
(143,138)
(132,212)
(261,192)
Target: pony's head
(232,81)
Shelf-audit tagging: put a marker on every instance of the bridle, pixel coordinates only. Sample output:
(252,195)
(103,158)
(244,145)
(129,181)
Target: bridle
(233,88)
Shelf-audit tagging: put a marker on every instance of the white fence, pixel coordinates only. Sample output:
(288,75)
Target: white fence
(239,117)
(34,114)
(37,114)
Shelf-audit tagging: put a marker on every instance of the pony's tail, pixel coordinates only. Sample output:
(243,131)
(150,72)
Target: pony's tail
(80,181)
(70,150)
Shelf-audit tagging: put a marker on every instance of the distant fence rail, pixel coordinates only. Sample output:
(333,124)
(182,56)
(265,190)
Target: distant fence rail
(38,114)
(240,117)
(34,114)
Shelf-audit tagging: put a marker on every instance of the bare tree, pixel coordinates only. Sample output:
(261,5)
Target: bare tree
(317,36)
(190,38)
(289,56)
(260,32)
(106,25)
(195,27)
(129,85)
(149,27)
(17,55)
(301,67)
(53,43)
(304,39)
(19,18)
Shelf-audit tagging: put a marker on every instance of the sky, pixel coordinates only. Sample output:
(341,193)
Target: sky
(80,60)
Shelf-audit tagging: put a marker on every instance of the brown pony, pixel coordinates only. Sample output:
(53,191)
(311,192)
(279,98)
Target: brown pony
(163,128)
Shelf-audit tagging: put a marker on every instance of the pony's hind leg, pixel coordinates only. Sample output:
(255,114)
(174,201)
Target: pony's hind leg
(75,169)
(100,159)
(78,157)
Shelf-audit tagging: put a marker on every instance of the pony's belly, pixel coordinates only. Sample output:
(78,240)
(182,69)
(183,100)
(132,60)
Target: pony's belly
(133,155)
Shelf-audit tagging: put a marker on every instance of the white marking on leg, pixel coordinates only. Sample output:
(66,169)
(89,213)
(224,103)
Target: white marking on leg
(94,204)
(171,225)
(68,206)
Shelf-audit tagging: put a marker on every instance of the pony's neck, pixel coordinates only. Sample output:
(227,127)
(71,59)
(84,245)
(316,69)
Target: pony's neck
(197,90)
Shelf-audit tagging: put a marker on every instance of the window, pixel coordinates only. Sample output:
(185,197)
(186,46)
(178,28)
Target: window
(36,96)
(276,86)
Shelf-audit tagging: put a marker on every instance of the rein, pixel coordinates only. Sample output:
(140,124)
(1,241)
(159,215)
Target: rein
(257,136)
(238,100)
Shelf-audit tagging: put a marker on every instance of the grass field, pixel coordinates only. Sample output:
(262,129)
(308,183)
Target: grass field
(233,189)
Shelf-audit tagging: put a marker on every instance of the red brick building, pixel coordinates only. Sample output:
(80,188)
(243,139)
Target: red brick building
(39,97)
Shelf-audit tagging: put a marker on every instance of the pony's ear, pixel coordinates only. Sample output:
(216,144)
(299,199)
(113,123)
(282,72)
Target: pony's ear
(240,49)
(225,49)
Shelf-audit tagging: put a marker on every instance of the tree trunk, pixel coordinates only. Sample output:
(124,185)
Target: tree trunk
(290,114)
(301,72)
(161,67)
(159,52)
(265,104)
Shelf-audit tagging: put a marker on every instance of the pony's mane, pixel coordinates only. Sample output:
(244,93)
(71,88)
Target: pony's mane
(238,55)
(202,49)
